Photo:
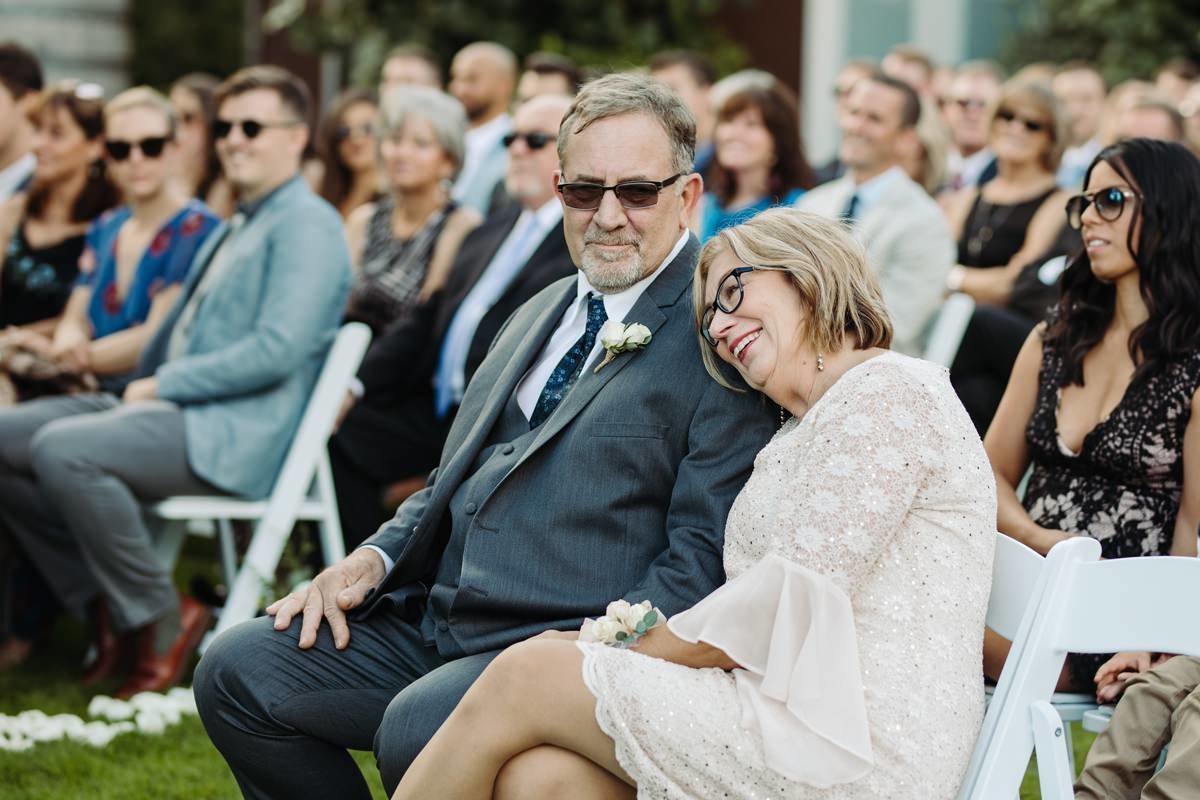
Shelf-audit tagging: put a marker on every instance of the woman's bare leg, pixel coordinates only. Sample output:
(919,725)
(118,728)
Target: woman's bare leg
(532,694)
(551,773)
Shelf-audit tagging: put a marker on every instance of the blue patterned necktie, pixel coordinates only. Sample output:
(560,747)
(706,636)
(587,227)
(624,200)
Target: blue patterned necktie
(567,371)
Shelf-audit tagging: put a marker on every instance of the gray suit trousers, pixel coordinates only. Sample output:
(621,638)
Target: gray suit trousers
(74,471)
(284,717)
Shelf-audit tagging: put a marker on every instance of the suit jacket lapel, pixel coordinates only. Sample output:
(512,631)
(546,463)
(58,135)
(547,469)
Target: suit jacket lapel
(662,293)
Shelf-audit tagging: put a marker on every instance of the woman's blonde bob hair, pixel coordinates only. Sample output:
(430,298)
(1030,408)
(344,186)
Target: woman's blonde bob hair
(835,287)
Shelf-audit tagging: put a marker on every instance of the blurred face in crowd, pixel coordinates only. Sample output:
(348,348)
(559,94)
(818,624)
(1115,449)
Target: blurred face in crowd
(533,84)
(62,148)
(914,73)
(872,129)
(355,136)
(413,159)
(191,136)
(966,110)
(694,94)
(530,176)
(1172,86)
(1190,109)
(481,82)
(1107,241)
(1020,133)
(614,246)
(257,164)
(1147,122)
(850,75)
(142,135)
(1081,93)
(408,71)
(743,142)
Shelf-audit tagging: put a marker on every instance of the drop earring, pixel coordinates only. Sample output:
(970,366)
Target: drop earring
(820,362)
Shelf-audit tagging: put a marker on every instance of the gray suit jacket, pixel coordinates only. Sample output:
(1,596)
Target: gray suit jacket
(649,453)
(908,246)
(258,339)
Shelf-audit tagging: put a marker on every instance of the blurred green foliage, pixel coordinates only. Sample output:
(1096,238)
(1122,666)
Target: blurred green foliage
(605,35)
(171,39)
(1125,38)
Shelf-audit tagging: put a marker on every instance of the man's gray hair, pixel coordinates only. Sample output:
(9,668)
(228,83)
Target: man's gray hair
(633,93)
(445,115)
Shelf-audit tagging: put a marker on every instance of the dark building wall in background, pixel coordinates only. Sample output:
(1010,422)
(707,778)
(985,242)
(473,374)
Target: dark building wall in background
(771,32)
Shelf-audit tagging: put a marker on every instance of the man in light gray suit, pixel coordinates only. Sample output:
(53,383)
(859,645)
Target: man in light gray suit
(564,484)
(905,234)
(216,398)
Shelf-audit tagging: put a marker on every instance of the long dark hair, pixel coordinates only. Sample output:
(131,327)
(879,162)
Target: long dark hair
(201,86)
(337,179)
(1167,255)
(779,112)
(84,103)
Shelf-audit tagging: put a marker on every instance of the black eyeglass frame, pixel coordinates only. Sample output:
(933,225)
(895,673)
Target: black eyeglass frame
(534,140)
(251,128)
(149,147)
(1077,204)
(710,312)
(1030,125)
(618,189)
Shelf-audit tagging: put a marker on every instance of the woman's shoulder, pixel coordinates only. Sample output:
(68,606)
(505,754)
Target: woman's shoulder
(461,220)
(194,218)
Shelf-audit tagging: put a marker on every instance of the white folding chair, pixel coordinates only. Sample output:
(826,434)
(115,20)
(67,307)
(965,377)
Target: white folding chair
(303,490)
(1079,612)
(948,329)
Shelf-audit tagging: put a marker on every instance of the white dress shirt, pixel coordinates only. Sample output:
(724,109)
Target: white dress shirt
(16,174)
(570,328)
(869,191)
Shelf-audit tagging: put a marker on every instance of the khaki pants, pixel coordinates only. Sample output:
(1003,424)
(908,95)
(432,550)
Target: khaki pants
(1161,705)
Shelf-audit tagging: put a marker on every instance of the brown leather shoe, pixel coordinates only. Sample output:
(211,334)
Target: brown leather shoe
(111,648)
(155,672)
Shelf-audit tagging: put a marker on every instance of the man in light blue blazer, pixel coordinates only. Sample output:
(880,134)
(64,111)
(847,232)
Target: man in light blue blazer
(213,405)
(565,483)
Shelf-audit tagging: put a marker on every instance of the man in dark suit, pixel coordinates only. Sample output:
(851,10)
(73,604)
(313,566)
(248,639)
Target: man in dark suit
(414,376)
(565,483)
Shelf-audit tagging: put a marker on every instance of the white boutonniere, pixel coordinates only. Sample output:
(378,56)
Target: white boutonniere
(617,337)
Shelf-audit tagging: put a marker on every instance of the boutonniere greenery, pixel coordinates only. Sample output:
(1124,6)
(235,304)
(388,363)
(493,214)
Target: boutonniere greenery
(617,338)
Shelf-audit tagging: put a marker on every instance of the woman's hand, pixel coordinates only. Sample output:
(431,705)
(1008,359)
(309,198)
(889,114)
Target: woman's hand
(569,636)
(1115,673)
(74,353)
(1046,538)
(29,340)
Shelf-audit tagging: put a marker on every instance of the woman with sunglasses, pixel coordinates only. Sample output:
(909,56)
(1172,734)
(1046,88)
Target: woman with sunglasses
(1017,215)
(842,658)
(759,161)
(348,152)
(404,244)
(196,163)
(1102,402)
(131,270)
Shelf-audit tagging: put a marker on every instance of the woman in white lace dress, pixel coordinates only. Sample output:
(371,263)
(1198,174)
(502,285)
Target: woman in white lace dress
(843,658)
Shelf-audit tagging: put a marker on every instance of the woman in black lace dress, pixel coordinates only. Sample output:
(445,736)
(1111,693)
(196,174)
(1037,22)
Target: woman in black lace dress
(1102,398)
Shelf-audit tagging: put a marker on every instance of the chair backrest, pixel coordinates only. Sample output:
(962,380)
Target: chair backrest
(948,328)
(1085,606)
(299,466)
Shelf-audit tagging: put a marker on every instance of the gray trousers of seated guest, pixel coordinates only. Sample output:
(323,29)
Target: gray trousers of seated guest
(74,472)
(283,717)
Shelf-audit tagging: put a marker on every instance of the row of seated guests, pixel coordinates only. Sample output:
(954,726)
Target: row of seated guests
(217,391)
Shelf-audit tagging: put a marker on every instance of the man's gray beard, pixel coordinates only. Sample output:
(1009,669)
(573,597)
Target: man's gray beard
(611,276)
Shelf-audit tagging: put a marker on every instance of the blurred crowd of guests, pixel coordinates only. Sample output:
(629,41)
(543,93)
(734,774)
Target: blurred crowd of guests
(175,265)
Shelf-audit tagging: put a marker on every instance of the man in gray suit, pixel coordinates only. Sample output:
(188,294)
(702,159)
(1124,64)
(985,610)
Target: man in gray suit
(215,401)
(564,484)
(907,240)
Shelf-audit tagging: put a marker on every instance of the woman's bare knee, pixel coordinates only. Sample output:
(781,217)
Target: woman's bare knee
(556,774)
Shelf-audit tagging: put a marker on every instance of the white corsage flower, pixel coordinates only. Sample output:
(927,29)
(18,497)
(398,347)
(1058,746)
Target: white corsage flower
(617,337)
(622,624)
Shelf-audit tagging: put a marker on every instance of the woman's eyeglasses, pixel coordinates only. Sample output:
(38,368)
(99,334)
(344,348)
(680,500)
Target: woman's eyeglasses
(251,128)
(730,294)
(1109,204)
(150,147)
(346,132)
(1031,125)
(631,194)
(534,141)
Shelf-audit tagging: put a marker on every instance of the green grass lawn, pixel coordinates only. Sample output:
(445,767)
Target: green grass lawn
(179,764)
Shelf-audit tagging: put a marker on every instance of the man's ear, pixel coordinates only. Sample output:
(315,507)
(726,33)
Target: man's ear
(555,179)
(906,142)
(693,190)
(302,133)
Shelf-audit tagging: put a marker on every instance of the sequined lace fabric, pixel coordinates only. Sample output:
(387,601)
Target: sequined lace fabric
(884,487)
(1123,486)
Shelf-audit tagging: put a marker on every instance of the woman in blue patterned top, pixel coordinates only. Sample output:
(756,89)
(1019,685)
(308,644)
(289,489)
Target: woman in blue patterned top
(135,257)
(759,161)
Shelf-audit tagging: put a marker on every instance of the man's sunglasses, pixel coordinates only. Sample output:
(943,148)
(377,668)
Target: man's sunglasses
(534,141)
(251,128)
(1109,204)
(150,147)
(631,194)
(1031,125)
(730,294)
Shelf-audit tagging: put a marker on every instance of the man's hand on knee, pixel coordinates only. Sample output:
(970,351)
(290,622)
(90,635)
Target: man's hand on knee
(331,594)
